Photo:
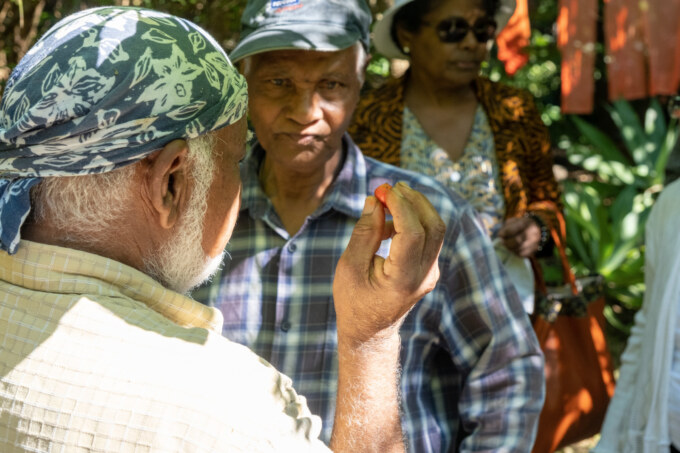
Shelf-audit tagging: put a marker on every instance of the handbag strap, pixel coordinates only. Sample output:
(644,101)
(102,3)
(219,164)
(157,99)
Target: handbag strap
(567,275)
(584,290)
(547,307)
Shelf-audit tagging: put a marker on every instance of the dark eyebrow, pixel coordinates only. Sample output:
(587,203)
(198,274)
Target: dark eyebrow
(335,75)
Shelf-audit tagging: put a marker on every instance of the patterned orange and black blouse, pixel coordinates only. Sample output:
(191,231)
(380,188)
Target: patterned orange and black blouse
(521,141)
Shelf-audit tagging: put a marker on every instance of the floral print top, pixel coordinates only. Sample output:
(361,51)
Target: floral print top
(474,175)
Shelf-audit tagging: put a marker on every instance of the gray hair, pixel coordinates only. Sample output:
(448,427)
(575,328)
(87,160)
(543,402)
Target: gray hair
(82,207)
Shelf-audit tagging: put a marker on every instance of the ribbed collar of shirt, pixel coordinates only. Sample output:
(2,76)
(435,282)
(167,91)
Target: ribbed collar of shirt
(346,195)
(58,270)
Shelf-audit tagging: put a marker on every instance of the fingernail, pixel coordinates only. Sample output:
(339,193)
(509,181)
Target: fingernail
(369,205)
(400,189)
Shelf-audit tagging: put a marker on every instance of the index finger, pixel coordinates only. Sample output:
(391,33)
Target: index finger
(419,233)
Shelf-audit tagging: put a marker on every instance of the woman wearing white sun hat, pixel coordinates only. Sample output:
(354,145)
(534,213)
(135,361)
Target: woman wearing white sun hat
(484,139)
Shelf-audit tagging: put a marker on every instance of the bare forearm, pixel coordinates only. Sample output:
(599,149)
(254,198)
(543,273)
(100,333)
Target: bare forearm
(372,297)
(367,410)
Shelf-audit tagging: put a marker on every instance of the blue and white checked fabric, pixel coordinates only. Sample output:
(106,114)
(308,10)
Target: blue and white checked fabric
(471,363)
(102,89)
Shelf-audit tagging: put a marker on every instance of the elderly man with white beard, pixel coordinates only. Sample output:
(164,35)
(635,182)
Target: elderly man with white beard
(120,137)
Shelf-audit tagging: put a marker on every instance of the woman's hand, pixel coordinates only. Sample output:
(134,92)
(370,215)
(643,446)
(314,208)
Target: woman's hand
(521,235)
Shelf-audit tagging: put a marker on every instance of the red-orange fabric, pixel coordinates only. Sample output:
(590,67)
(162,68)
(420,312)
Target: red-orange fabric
(576,37)
(512,40)
(661,26)
(624,40)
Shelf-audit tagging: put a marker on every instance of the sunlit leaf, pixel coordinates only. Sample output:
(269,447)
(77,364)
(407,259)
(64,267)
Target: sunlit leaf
(604,145)
(628,122)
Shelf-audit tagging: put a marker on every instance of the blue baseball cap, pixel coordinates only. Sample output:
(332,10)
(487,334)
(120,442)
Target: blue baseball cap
(325,25)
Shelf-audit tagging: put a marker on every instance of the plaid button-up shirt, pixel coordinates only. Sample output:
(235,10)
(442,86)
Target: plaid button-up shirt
(472,371)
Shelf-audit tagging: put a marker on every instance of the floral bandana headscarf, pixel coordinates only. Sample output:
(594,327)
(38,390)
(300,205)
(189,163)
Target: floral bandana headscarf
(102,89)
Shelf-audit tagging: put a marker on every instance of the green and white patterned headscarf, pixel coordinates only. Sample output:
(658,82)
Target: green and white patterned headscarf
(102,89)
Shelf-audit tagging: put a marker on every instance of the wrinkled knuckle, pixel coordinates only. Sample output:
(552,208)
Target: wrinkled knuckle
(431,282)
(439,228)
(430,286)
(362,227)
(413,240)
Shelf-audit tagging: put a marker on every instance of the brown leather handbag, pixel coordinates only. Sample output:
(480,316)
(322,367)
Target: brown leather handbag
(579,376)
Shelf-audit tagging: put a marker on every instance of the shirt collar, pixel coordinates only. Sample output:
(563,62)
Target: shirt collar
(347,194)
(51,269)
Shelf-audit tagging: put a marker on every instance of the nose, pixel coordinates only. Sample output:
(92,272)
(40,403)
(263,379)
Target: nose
(469,40)
(305,106)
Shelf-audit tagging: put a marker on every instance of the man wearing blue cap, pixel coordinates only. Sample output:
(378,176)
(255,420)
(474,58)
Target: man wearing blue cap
(472,371)
(120,136)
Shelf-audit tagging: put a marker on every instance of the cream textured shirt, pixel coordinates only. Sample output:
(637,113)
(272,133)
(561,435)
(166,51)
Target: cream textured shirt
(96,356)
(637,418)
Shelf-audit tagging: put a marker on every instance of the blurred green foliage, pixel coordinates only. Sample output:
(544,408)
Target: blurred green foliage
(606,213)
(615,160)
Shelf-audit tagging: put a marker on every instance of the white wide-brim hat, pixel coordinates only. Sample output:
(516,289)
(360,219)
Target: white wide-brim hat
(382,30)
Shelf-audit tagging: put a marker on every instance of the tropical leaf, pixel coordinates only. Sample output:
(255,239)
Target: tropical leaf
(655,129)
(211,74)
(113,50)
(186,112)
(107,118)
(147,20)
(142,67)
(51,78)
(158,36)
(197,41)
(22,107)
(165,21)
(666,148)
(577,244)
(630,128)
(194,128)
(217,59)
(604,145)
(622,205)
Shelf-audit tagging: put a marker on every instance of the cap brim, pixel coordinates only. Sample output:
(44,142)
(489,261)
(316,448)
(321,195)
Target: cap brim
(382,30)
(294,37)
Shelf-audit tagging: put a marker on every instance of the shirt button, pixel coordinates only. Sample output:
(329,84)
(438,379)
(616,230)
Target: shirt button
(292,247)
(285,326)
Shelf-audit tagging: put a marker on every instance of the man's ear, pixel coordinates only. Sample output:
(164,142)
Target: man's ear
(243,66)
(167,181)
(364,67)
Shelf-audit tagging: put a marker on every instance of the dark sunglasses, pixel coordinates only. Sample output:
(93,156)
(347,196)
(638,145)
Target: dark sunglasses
(455,29)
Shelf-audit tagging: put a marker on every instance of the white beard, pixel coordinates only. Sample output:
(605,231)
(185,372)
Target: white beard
(181,264)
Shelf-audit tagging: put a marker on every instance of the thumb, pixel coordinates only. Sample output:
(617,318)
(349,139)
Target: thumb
(367,233)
